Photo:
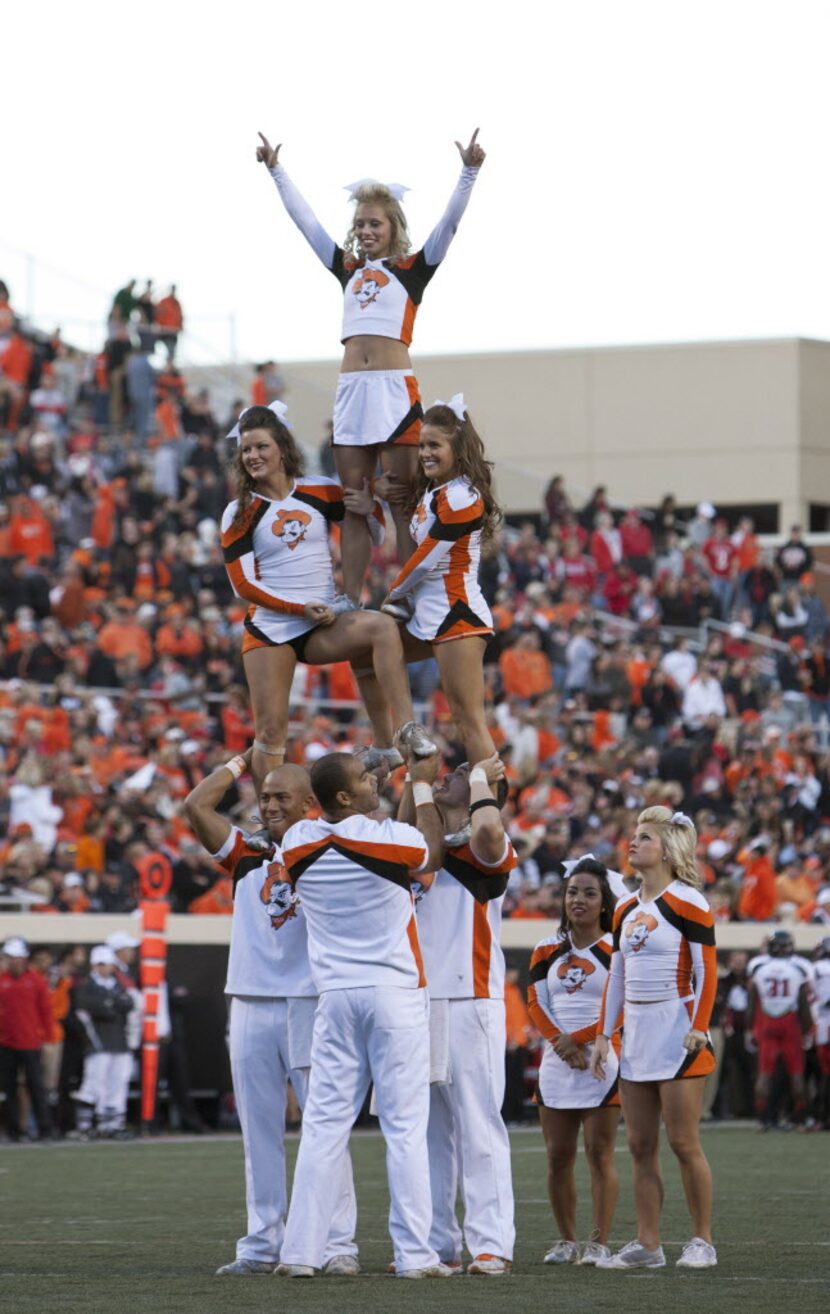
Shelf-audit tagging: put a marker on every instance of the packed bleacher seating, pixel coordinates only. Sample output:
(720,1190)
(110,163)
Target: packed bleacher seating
(121,682)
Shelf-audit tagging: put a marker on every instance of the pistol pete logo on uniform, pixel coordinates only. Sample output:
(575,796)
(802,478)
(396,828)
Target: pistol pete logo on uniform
(368,287)
(279,898)
(639,929)
(574,972)
(290,526)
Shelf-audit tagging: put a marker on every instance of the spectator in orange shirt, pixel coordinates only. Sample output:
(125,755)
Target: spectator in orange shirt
(169,321)
(30,532)
(217,901)
(179,639)
(756,901)
(525,670)
(123,637)
(520,1035)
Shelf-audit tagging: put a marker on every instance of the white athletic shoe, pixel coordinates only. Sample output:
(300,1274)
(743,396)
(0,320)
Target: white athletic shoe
(401,610)
(593,1252)
(698,1253)
(294,1271)
(244,1268)
(490,1266)
(431,1271)
(562,1252)
(415,740)
(343,604)
(342,1266)
(634,1255)
(454,1265)
(375,757)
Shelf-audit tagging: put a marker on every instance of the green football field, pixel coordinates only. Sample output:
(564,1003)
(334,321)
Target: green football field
(128,1228)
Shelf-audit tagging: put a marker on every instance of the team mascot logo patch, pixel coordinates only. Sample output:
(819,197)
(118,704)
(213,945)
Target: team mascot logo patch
(368,287)
(291,526)
(639,929)
(574,972)
(278,896)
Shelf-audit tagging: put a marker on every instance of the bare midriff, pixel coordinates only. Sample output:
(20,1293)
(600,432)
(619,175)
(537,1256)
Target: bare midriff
(369,352)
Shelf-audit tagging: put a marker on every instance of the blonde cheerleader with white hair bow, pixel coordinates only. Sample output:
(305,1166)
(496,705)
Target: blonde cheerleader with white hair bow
(663,977)
(377,410)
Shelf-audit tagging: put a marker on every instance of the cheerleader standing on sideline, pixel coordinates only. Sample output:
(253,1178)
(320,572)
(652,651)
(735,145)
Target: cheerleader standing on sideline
(567,979)
(377,408)
(664,974)
(276,550)
(437,594)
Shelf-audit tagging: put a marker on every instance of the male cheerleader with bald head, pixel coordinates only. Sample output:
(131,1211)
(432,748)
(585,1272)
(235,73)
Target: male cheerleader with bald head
(273,1000)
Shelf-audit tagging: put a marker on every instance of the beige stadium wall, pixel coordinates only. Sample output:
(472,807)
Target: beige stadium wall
(730,422)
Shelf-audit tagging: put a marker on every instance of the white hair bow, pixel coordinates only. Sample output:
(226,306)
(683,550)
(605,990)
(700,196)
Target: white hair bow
(456,405)
(278,407)
(570,863)
(396,190)
(680,819)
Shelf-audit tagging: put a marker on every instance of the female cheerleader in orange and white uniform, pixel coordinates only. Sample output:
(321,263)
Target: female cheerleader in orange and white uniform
(275,544)
(664,976)
(568,973)
(437,594)
(377,410)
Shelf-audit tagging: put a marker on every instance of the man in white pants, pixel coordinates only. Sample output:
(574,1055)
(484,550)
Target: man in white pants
(273,1000)
(354,877)
(102,1005)
(459,924)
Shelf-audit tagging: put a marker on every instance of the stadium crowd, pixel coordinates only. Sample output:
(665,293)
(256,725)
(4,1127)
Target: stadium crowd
(122,684)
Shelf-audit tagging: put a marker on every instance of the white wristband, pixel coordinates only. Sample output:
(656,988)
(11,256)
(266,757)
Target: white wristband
(478,776)
(422,793)
(236,766)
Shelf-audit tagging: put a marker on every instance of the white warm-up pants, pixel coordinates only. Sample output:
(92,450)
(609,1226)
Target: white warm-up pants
(262,1061)
(369,1033)
(106,1085)
(467,1137)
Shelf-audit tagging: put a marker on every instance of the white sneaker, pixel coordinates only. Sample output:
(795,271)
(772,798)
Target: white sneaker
(634,1255)
(294,1271)
(401,610)
(343,604)
(456,1268)
(698,1253)
(244,1268)
(342,1266)
(490,1266)
(562,1252)
(431,1271)
(593,1253)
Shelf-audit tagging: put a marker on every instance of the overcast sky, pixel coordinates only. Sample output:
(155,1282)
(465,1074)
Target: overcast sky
(656,171)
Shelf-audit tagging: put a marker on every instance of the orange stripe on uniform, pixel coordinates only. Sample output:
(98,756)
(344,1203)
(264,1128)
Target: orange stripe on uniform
(710,984)
(324,492)
(684,970)
(454,585)
(401,854)
(482,940)
(703,916)
(415,945)
(539,1017)
(249,591)
(448,516)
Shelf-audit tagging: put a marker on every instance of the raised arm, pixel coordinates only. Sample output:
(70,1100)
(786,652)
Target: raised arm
(488,838)
(438,242)
(424,772)
(208,826)
(323,246)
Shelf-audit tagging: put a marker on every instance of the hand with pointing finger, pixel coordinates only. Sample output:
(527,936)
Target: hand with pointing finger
(267,154)
(472,156)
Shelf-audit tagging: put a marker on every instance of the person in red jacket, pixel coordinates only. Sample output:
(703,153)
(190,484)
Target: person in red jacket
(25,1025)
